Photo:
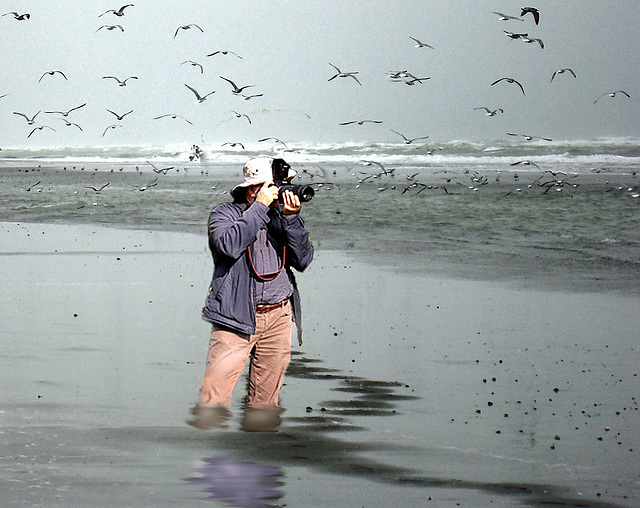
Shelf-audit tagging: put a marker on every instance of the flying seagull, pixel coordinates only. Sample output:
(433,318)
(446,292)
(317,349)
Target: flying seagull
(233,145)
(514,35)
(525,163)
(612,94)
(66,113)
(510,80)
(98,189)
(39,128)
(276,140)
(119,12)
(248,97)
(490,112)
(112,126)
(194,64)
(30,121)
(529,40)
(152,183)
(506,17)
(173,117)
(51,73)
(406,139)
(122,82)
(224,52)
(119,117)
(340,74)
(420,44)
(562,71)
(236,89)
(111,27)
(164,171)
(200,98)
(360,122)
(69,124)
(533,11)
(240,115)
(528,137)
(187,27)
(19,17)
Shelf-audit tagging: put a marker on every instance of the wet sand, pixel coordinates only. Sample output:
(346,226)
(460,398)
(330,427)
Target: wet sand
(410,389)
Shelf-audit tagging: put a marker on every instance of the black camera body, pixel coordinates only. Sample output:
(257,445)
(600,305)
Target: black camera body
(280,170)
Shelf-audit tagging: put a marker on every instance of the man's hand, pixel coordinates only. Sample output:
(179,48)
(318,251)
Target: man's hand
(291,203)
(268,194)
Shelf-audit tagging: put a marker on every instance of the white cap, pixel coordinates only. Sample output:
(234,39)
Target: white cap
(258,170)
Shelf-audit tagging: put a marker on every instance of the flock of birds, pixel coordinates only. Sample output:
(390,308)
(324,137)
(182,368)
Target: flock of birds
(241,90)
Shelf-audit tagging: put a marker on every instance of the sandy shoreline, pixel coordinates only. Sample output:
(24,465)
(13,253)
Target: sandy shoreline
(455,391)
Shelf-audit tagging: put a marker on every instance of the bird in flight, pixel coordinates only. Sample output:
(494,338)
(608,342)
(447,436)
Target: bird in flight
(194,64)
(187,27)
(240,115)
(69,124)
(111,27)
(525,163)
(490,112)
(530,40)
(340,74)
(51,73)
(509,80)
(119,12)
(173,117)
(514,35)
(152,183)
(248,97)
(236,89)
(30,121)
(66,113)
(506,17)
(200,98)
(39,128)
(276,140)
(19,17)
(164,171)
(528,137)
(122,82)
(360,122)
(224,52)
(562,71)
(119,117)
(233,145)
(612,94)
(98,189)
(112,126)
(533,11)
(408,141)
(420,44)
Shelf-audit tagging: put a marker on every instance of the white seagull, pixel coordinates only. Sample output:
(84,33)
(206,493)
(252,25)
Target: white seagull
(119,12)
(66,113)
(121,82)
(360,122)
(173,117)
(506,17)
(509,80)
(30,121)
(420,44)
(187,27)
(111,27)
(194,64)
(612,94)
(51,73)
(562,71)
(224,52)
(406,139)
(119,117)
(340,74)
(490,112)
(200,98)
(39,128)
(236,89)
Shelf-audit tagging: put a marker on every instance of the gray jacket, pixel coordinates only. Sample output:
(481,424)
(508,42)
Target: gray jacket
(232,229)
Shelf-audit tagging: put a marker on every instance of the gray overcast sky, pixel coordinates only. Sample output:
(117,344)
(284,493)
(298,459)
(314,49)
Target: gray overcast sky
(286,47)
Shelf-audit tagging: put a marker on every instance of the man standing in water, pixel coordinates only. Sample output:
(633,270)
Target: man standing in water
(253,300)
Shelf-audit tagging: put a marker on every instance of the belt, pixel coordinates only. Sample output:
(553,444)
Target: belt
(267,308)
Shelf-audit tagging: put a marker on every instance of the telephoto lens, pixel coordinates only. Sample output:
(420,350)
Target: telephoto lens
(304,192)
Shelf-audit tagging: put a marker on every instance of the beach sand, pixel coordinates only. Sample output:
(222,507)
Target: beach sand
(411,389)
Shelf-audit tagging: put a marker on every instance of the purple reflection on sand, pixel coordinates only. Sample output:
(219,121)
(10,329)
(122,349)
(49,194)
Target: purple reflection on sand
(238,483)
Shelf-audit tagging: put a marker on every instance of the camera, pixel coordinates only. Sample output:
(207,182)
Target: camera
(280,169)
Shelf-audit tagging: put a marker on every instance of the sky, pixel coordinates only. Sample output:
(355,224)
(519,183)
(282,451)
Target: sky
(285,49)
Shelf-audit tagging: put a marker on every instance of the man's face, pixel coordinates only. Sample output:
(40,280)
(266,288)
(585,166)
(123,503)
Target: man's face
(252,192)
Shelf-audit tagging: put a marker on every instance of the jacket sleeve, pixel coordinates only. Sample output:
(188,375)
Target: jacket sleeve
(299,248)
(230,233)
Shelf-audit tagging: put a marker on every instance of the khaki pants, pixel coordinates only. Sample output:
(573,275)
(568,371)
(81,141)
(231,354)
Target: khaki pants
(270,349)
